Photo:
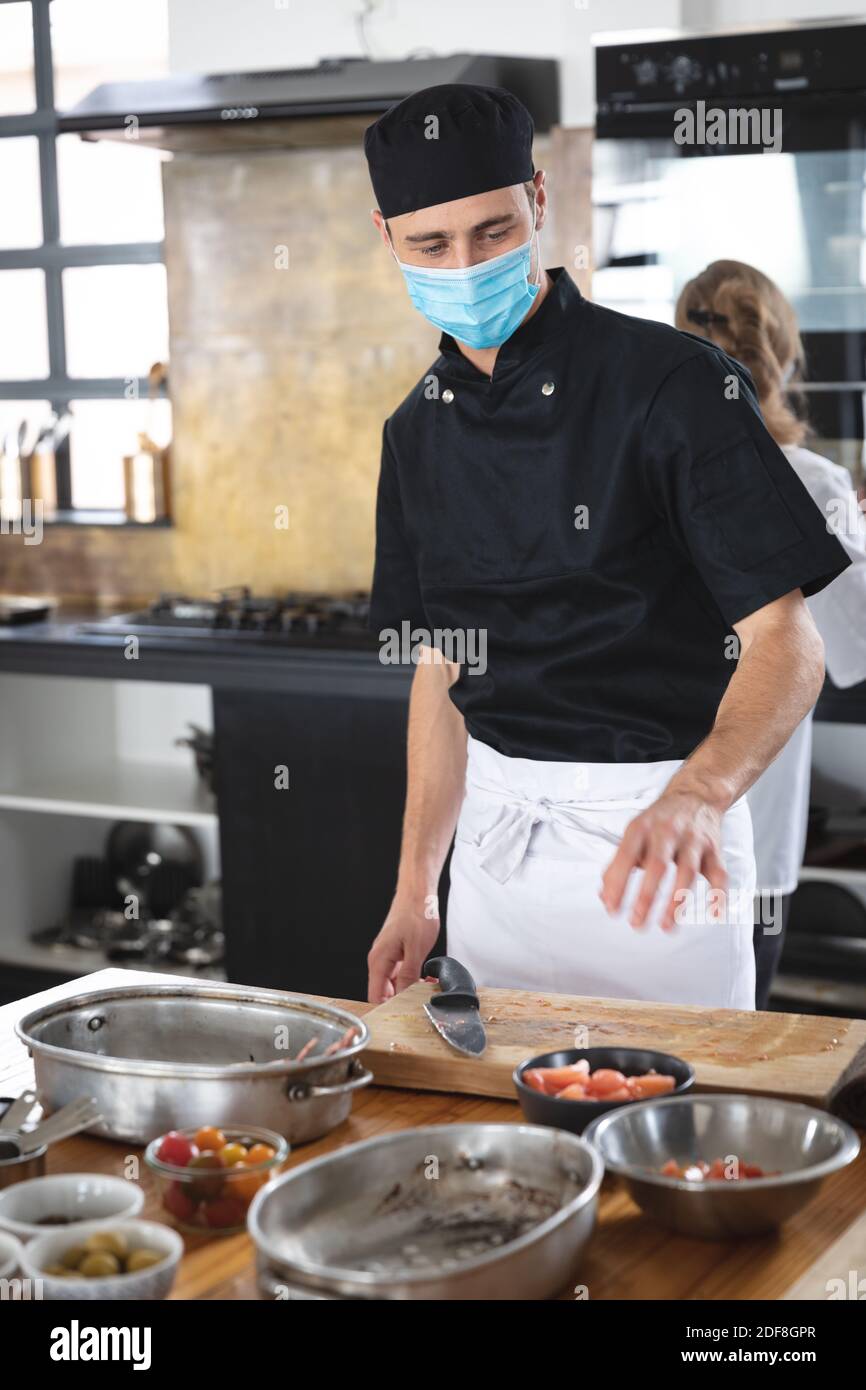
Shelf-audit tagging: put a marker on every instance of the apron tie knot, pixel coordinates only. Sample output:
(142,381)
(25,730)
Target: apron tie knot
(505,845)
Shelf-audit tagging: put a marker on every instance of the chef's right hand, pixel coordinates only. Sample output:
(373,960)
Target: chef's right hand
(401,948)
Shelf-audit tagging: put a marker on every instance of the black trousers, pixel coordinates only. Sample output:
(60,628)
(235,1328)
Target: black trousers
(768,944)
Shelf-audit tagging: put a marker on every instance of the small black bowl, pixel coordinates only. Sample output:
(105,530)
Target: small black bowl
(575,1115)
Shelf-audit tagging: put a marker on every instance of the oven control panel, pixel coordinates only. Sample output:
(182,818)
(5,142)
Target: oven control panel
(781,62)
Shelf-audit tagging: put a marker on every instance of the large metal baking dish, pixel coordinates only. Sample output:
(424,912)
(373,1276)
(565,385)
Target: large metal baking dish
(165,1056)
(463,1211)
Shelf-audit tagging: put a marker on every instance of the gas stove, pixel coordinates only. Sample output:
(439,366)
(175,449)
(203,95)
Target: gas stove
(297,618)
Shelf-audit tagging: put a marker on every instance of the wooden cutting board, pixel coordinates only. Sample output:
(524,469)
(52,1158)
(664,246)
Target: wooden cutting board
(796,1056)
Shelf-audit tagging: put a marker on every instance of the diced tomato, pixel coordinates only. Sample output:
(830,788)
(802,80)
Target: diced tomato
(652,1084)
(603,1081)
(555,1079)
(729,1169)
(605,1084)
(573,1092)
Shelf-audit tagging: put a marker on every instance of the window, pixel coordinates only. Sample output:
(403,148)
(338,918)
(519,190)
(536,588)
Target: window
(83,304)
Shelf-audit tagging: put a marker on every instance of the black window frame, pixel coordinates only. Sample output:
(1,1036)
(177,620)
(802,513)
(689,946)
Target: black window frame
(52,257)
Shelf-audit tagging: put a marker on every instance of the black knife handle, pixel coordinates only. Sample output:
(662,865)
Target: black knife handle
(454,979)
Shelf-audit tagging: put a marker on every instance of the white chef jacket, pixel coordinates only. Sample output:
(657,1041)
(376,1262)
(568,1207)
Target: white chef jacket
(779,800)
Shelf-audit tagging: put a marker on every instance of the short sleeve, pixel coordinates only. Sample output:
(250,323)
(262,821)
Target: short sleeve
(396,596)
(731,498)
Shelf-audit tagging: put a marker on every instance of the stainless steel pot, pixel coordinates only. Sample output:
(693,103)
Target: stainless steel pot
(465,1211)
(23,1167)
(166,1056)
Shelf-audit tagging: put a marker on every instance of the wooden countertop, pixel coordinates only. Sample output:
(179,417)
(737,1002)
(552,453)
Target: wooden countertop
(629,1257)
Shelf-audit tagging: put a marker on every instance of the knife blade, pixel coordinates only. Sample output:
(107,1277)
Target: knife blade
(454,1011)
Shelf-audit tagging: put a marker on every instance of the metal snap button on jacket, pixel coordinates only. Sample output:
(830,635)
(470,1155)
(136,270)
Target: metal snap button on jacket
(548,388)
(447,395)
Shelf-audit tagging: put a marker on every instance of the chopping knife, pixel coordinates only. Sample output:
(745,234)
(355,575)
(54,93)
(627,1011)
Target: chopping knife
(454,1010)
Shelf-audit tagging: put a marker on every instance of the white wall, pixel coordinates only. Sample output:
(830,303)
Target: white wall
(243,35)
(706,15)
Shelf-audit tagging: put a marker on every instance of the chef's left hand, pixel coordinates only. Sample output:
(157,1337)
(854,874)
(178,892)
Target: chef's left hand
(680,828)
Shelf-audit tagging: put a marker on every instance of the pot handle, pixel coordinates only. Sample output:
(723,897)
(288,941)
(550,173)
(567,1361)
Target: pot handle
(359,1077)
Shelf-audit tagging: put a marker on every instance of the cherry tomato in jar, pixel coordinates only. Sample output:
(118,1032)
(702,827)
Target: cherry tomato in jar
(179,1203)
(176,1149)
(208,1158)
(210,1184)
(233,1153)
(224,1212)
(243,1184)
(260,1153)
(210,1138)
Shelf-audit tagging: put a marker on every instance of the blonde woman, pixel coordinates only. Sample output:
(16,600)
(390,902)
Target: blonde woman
(743,312)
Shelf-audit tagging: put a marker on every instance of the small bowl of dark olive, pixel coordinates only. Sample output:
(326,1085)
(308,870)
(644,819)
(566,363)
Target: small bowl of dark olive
(67,1200)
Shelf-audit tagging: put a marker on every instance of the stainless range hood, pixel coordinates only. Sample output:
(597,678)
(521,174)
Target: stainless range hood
(326,104)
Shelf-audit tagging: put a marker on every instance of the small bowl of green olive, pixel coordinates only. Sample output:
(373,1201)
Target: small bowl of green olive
(128,1259)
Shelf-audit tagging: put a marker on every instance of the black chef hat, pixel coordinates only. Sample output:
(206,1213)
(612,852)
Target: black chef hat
(481,139)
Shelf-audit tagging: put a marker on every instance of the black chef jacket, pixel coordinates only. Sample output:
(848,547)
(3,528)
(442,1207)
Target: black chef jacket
(608,631)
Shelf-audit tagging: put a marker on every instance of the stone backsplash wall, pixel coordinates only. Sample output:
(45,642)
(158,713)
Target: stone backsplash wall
(292,339)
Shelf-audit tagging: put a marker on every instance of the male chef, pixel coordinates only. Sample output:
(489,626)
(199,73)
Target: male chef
(595,499)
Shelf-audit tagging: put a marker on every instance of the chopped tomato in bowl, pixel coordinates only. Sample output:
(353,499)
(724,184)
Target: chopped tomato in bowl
(570,1088)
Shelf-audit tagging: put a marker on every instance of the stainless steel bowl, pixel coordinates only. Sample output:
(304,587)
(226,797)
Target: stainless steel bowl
(804,1144)
(167,1056)
(465,1211)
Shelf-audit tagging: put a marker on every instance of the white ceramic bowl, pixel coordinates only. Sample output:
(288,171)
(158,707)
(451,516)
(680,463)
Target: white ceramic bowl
(76,1196)
(152,1283)
(10,1255)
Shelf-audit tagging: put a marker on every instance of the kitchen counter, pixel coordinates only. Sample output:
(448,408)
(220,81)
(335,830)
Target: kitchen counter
(59,647)
(629,1256)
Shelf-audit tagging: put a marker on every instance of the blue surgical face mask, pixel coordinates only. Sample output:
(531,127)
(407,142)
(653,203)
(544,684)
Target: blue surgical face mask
(481,305)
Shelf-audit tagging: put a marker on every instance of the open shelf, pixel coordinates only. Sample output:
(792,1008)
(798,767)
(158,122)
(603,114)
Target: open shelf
(71,960)
(115,790)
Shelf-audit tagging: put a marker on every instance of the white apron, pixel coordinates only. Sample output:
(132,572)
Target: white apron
(532,842)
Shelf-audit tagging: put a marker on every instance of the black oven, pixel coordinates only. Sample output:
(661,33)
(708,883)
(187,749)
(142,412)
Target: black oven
(750,146)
